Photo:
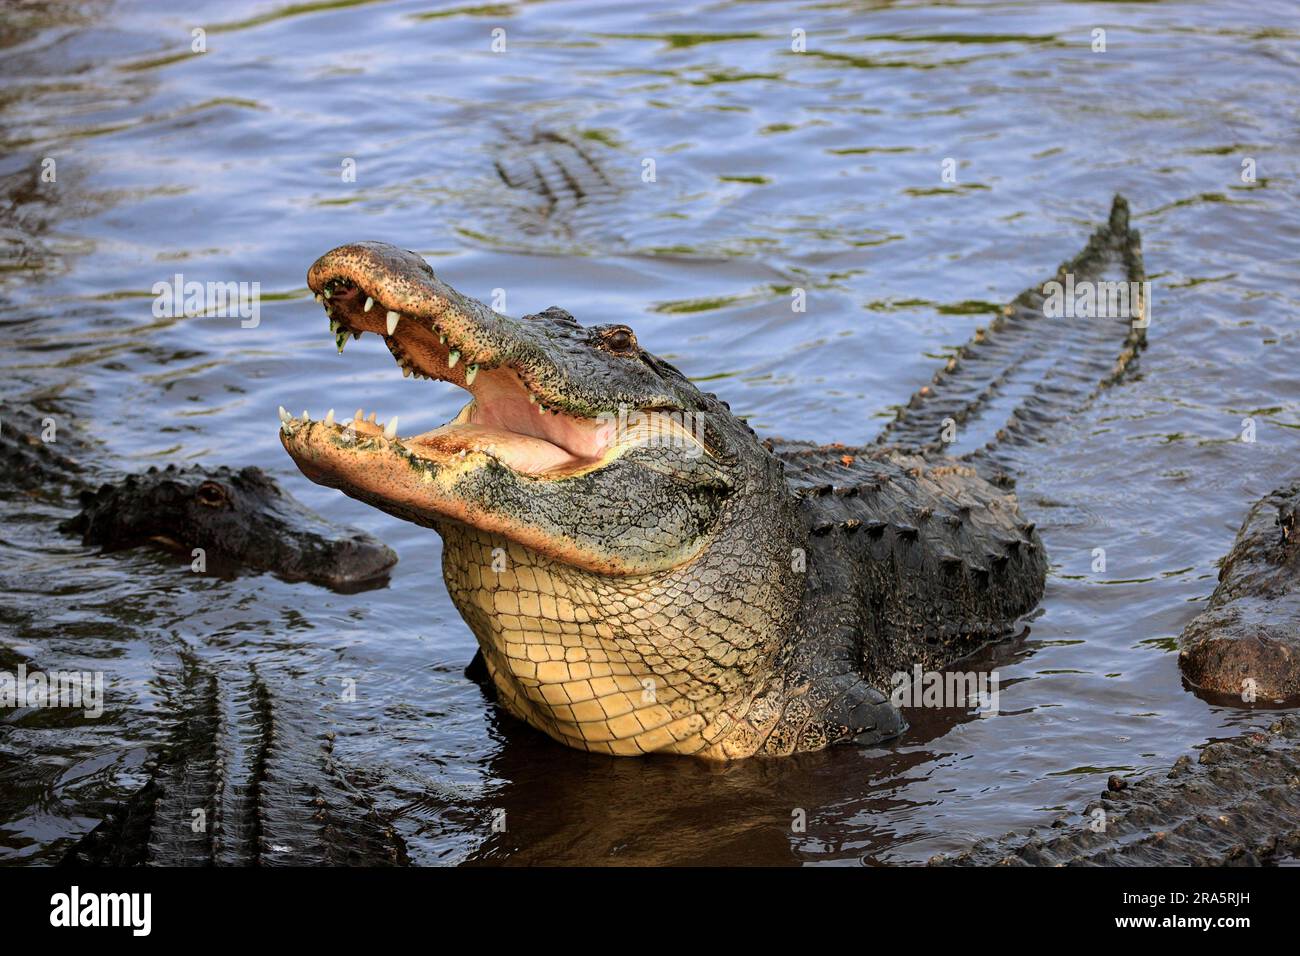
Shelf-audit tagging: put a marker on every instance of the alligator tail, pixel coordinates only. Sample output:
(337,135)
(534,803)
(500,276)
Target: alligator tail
(1029,369)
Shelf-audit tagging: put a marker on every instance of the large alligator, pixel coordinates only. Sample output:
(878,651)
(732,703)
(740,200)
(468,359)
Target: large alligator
(237,518)
(643,573)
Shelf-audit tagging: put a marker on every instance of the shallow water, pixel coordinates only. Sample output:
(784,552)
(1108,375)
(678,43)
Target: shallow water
(774,169)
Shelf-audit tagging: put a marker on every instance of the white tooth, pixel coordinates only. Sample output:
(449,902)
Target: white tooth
(329,417)
(452,358)
(284,416)
(406,372)
(370,304)
(541,409)
(359,415)
(393,319)
(319,297)
(470,372)
(328,293)
(442,339)
(371,418)
(305,416)
(532,399)
(391,431)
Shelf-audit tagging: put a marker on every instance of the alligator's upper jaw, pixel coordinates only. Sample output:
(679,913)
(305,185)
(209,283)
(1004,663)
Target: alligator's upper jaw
(435,333)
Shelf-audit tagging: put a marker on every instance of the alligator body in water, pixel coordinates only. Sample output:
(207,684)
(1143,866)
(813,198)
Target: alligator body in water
(246,776)
(1238,804)
(245,779)
(1247,641)
(236,517)
(643,573)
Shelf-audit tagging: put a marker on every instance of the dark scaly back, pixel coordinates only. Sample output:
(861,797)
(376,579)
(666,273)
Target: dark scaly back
(31,465)
(923,554)
(917,558)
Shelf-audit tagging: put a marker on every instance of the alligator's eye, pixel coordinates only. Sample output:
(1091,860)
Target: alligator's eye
(618,338)
(212,494)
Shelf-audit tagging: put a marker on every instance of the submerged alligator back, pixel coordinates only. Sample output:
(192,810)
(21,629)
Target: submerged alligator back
(243,780)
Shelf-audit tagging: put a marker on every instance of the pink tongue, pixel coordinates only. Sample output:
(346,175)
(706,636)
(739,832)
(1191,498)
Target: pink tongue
(520,452)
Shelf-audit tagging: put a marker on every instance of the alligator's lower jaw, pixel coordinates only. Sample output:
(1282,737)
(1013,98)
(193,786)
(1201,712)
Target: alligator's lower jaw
(423,476)
(477,430)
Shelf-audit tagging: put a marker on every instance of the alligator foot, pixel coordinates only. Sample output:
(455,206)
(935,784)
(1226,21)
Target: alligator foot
(477,669)
(1247,641)
(1238,805)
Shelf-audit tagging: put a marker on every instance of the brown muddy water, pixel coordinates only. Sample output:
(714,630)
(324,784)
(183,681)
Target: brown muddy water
(819,169)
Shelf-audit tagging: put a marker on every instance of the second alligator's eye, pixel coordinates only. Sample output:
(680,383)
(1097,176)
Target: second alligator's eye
(619,338)
(211,494)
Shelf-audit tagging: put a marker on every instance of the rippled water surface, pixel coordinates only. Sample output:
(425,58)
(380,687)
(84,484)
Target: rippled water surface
(774,169)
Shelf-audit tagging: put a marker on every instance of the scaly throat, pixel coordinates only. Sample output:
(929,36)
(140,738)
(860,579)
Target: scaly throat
(618,665)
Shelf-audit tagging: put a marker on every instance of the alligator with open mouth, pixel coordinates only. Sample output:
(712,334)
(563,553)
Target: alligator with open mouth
(642,572)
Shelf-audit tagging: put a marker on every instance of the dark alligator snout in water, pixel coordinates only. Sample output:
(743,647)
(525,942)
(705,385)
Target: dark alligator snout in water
(643,573)
(1247,641)
(238,518)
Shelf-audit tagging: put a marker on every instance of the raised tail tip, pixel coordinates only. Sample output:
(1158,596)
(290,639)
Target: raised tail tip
(1119,215)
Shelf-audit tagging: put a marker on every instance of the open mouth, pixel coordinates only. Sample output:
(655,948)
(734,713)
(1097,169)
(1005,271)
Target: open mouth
(510,418)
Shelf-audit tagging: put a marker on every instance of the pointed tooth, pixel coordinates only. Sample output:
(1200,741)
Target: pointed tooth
(284,416)
(406,371)
(329,417)
(319,297)
(452,358)
(391,431)
(470,372)
(393,319)
(371,418)
(340,340)
(442,338)
(359,415)
(532,399)
(305,416)
(541,409)
(370,304)
(328,293)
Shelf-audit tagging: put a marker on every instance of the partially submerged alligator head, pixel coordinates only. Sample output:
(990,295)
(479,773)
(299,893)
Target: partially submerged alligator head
(641,571)
(240,518)
(237,517)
